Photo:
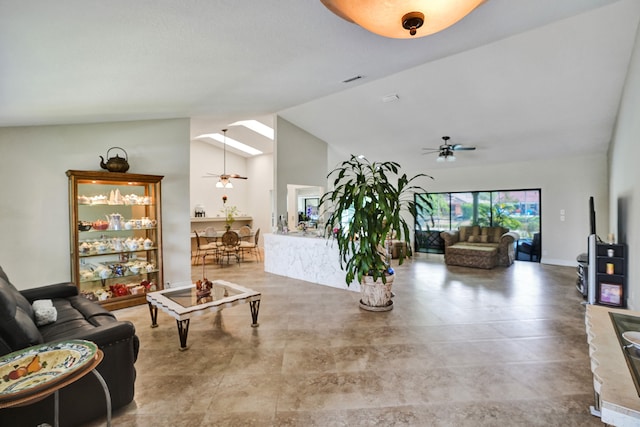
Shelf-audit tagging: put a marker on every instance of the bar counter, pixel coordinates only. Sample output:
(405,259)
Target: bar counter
(305,257)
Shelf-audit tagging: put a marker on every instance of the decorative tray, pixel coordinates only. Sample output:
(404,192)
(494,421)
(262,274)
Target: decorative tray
(32,369)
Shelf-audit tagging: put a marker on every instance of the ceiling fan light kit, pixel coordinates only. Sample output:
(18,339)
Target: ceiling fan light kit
(446,157)
(224,183)
(446,150)
(402,20)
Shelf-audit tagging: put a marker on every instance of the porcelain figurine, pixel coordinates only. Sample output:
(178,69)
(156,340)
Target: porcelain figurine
(118,245)
(85,248)
(132,245)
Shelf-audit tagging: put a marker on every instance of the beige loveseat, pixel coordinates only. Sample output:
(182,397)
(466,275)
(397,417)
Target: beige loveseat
(481,247)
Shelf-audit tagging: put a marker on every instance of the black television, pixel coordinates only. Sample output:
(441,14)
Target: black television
(592,216)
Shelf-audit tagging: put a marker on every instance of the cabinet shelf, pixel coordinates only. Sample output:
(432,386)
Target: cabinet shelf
(124,276)
(108,230)
(97,254)
(611,271)
(87,261)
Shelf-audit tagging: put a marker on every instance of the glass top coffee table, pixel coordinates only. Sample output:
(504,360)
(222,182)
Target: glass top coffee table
(183,303)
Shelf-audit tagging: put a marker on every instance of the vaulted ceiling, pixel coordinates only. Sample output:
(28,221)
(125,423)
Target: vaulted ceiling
(518,79)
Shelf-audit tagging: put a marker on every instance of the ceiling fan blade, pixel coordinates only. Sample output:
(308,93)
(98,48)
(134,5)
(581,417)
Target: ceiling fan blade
(460,147)
(430,150)
(226,176)
(211,175)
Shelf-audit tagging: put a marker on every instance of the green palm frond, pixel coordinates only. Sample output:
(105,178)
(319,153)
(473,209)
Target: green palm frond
(375,203)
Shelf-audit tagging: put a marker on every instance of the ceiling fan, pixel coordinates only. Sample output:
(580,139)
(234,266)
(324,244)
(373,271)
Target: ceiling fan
(225,178)
(445,151)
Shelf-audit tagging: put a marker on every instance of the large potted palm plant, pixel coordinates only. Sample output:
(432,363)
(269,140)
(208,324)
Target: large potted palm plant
(366,209)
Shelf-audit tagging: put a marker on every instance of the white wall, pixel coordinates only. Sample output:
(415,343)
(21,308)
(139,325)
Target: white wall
(301,159)
(624,191)
(565,184)
(260,170)
(206,158)
(34,206)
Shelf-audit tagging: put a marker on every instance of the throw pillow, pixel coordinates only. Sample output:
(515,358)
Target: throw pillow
(484,239)
(497,234)
(45,312)
(474,239)
(464,233)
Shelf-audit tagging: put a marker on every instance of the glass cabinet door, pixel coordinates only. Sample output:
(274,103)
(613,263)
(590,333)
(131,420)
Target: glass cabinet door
(116,238)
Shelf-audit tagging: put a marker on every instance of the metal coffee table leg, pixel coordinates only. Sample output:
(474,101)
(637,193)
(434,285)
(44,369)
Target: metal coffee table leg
(153,310)
(255,307)
(183,331)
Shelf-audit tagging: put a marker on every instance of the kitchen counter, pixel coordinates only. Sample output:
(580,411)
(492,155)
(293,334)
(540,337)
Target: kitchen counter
(617,397)
(305,257)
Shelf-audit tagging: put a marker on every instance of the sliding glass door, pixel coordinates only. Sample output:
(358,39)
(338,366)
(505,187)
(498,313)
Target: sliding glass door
(517,210)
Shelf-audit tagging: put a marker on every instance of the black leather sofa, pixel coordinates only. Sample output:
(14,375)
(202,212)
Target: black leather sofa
(77,318)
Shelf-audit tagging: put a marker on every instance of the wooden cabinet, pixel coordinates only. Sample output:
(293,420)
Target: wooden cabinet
(115,227)
(611,267)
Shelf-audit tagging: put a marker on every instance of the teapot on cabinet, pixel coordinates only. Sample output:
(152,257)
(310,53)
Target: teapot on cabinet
(117,163)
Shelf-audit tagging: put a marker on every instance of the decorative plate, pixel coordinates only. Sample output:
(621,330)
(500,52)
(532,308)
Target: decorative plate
(633,337)
(29,370)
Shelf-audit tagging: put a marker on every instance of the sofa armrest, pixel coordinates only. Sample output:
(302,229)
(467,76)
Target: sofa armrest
(107,334)
(450,237)
(58,290)
(508,238)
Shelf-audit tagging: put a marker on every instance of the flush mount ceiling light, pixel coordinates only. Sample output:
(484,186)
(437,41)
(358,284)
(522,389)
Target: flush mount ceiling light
(402,19)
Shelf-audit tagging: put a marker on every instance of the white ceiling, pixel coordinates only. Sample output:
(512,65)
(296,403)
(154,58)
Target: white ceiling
(519,79)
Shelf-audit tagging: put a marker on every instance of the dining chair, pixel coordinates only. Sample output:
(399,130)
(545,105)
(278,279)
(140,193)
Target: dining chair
(251,246)
(244,233)
(230,245)
(212,237)
(203,251)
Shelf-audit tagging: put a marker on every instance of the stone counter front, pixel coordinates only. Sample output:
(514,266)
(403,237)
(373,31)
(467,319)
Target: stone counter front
(305,257)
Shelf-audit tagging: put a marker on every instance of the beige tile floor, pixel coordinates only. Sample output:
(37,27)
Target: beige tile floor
(462,347)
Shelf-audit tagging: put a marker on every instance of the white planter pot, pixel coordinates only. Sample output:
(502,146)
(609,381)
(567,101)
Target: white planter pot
(376,296)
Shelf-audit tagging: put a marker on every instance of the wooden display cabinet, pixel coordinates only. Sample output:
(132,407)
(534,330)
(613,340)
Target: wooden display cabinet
(115,226)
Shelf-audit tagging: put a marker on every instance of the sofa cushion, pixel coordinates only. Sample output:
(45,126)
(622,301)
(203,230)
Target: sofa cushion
(77,316)
(469,255)
(493,233)
(17,323)
(467,231)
